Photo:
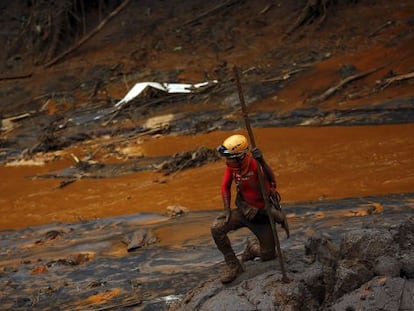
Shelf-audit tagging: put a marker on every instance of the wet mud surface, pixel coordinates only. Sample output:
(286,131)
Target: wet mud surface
(87,265)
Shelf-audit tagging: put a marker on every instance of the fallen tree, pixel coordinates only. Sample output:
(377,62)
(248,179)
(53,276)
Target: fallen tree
(315,11)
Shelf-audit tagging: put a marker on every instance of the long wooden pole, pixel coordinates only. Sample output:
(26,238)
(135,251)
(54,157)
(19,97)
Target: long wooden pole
(268,206)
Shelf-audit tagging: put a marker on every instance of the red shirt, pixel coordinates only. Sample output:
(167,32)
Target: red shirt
(248,184)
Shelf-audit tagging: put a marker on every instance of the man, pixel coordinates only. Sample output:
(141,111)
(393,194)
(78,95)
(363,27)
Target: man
(250,205)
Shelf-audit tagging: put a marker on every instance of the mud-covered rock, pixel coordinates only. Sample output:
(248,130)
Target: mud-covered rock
(322,249)
(314,280)
(368,244)
(176,210)
(405,235)
(360,271)
(380,293)
(387,266)
(407,264)
(138,239)
(350,274)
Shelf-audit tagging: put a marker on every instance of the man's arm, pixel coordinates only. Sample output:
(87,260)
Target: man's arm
(268,172)
(226,192)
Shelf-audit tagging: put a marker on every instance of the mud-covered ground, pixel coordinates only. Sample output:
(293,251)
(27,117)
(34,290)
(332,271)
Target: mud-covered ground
(149,262)
(331,103)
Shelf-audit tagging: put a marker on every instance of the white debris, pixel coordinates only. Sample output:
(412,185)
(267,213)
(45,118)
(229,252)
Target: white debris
(166,87)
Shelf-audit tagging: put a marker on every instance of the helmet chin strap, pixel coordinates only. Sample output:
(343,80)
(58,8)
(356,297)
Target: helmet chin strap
(241,166)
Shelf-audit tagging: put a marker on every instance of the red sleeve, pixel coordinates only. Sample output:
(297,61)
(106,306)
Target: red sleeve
(226,187)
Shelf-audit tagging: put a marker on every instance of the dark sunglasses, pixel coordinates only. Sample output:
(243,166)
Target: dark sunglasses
(228,155)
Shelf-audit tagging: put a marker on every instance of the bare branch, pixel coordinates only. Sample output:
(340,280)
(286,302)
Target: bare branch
(329,92)
(387,82)
(88,36)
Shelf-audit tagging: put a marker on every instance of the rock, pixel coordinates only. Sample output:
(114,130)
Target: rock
(405,235)
(176,210)
(50,236)
(407,265)
(139,238)
(82,258)
(337,278)
(387,266)
(381,293)
(323,250)
(40,270)
(350,274)
(224,302)
(367,245)
(252,290)
(314,281)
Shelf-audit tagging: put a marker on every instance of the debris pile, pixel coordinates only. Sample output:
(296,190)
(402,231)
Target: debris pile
(183,160)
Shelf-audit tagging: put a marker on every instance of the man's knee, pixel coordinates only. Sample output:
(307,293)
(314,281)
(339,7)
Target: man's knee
(218,222)
(217,227)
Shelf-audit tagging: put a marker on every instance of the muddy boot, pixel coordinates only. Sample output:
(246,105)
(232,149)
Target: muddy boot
(251,251)
(234,268)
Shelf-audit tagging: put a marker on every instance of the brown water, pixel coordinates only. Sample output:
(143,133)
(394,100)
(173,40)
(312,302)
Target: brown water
(311,163)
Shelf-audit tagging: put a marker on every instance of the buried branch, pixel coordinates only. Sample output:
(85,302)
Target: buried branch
(314,10)
(387,82)
(332,90)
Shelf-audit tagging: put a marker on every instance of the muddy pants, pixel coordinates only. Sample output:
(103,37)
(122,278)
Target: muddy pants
(259,225)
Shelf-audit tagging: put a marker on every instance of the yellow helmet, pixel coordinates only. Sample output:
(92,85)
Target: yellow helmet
(235,146)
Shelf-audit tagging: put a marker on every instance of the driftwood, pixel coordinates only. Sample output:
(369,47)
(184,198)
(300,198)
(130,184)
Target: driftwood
(187,159)
(88,36)
(17,77)
(211,11)
(130,302)
(387,82)
(329,92)
(18,117)
(380,28)
(312,9)
(153,131)
(283,76)
(266,9)
(66,183)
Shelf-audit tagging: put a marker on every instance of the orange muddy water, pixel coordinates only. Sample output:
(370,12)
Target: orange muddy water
(310,163)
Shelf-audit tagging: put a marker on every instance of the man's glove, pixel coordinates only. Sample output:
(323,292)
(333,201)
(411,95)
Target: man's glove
(257,153)
(227,213)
